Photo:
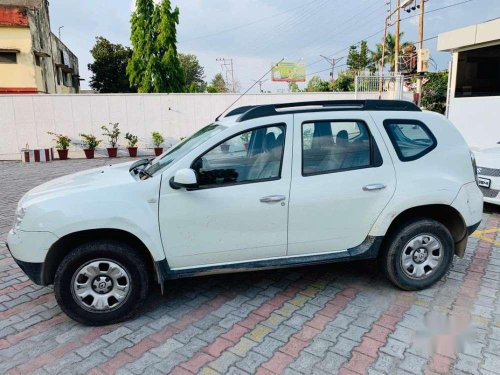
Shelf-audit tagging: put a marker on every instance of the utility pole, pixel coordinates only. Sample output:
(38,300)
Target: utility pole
(396,41)
(420,47)
(381,68)
(332,63)
(260,82)
(228,69)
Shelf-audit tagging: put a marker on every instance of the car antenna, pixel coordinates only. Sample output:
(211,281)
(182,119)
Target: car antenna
(242,95)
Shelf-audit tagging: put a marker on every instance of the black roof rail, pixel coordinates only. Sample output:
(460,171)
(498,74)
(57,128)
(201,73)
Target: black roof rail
(330,105)
(239,110)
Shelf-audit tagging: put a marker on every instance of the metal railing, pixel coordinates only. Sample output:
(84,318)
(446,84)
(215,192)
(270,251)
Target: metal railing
(389,84)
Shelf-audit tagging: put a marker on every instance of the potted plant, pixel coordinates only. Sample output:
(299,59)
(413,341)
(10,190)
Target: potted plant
(62,144)
(90,142)
(132,141)
(158,140)
(112,135)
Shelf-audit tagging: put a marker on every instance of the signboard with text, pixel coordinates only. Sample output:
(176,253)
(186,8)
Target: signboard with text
(289,72)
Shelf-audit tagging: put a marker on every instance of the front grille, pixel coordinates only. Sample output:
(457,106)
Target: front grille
(489,193)
(488,171)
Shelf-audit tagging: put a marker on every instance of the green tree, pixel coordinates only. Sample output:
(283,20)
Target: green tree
(434,91)
(169,75)
(293,87)
(316,84)
(109,67)
(155,66)
(358,61)
(194,73)
(218,85)
(390,52)
(344,82)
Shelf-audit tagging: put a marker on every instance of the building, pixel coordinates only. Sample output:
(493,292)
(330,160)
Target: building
(474,87)
(32,58)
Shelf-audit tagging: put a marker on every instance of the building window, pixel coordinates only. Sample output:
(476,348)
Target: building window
(38,60)
(8,57)
(478,72)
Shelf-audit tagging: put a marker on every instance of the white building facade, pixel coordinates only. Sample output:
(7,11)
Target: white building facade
(474,85)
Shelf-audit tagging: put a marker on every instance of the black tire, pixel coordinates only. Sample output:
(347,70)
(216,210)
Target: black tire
(119,253)
(390,259)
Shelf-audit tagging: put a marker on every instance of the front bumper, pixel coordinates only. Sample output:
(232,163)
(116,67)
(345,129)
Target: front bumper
(32,270)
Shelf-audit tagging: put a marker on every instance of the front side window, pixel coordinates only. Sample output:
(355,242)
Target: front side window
(331,146)
(411,138)
(253,156)
(183,148)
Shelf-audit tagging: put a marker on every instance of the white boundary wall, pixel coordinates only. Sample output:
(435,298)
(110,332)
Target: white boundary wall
(478,119)
(26,119)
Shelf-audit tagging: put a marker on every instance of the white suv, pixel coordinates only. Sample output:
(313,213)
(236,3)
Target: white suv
(265,186)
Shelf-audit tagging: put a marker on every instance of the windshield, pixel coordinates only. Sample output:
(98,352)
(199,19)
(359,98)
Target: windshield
(183,148)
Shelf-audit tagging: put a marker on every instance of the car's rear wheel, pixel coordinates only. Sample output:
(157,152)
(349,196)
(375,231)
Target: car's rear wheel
(101,282)
(417,254)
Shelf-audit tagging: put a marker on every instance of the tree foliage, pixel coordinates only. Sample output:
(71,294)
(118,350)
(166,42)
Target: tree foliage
(194,73)
(155,65)
(390,51)
(358,60)
(109,67)
(293,87)
(434,91)
(218,85)
(316,84)
(344,82)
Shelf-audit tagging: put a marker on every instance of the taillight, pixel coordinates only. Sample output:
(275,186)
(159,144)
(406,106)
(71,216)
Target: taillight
(474,165)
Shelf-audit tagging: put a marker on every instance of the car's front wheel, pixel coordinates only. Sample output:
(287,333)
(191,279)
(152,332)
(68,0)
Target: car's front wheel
(417,254)
(101,282)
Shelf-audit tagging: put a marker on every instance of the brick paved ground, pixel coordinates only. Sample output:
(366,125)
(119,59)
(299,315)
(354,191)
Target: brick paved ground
(342,318)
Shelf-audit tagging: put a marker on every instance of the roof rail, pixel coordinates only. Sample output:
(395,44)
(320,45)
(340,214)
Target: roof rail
(330,105)
(239,110)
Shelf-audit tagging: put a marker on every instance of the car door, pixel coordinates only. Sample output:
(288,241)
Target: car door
(343,177)
(240,210)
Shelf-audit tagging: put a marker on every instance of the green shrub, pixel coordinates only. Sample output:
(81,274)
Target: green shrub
(90,141)
(157,138)
(62,141)
(112,133)
(132,139)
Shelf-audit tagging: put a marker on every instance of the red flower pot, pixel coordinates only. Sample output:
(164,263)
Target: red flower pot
(132,151)
(63,154)
(112,152)
(89,154)
(158,151)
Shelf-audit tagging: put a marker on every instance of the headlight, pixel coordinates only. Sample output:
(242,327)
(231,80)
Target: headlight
(20,212)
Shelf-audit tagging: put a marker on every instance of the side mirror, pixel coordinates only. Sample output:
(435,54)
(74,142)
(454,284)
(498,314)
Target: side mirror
(184,178)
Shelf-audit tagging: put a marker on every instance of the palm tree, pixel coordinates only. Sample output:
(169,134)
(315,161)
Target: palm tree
(390,55)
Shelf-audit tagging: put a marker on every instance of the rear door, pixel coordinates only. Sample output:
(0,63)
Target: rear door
(342,178)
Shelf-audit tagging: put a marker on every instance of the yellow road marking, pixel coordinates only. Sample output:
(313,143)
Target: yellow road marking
(482,235)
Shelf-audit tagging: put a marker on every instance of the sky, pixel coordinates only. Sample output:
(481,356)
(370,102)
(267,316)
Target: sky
(258,33)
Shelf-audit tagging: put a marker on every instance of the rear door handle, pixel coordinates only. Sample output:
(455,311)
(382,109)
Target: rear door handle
(373,187)
(272,198)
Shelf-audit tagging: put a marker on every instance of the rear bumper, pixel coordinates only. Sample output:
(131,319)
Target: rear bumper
(32,270)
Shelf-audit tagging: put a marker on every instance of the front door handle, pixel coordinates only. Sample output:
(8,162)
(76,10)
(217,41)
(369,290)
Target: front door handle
(373,187)
(272,198)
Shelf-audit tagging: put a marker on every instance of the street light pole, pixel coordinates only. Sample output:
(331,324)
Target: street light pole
(420,47)
(396,41)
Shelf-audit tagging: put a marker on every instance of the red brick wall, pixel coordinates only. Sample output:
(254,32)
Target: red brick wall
(13,16)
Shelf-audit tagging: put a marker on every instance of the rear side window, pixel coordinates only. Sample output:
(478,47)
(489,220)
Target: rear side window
(333,146)
(411,139)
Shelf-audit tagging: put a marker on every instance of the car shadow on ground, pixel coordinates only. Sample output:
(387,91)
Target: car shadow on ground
(357,274)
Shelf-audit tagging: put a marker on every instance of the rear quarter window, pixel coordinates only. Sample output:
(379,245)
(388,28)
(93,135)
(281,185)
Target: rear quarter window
(411,139)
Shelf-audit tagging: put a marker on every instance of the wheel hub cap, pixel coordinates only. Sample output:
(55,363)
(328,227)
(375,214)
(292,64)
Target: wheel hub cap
(101,285)
(421,256)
